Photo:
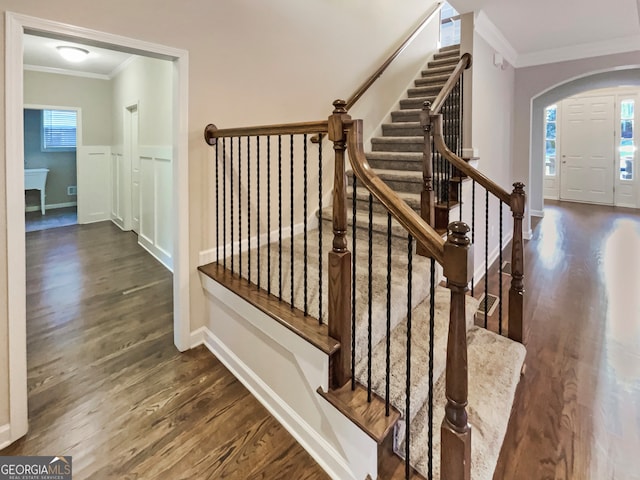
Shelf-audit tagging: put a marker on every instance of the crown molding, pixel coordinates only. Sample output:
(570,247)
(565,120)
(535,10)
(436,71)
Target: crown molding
(577,52)
(494,37)
(64,71)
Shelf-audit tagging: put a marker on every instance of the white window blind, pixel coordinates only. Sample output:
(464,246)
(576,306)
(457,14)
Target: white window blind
(59,130)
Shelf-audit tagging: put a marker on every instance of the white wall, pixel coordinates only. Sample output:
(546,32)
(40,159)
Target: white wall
(492,128)
(147,84)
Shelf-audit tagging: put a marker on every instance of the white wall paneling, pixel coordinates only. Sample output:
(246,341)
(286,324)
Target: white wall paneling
(94,183)
(156,213)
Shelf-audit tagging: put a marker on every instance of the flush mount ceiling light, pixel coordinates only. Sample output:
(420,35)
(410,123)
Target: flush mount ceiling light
(73,54)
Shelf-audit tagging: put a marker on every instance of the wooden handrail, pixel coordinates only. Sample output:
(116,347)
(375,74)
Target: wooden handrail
(463,64)
(211,132)
(464,167)
(402,212)
(365,86)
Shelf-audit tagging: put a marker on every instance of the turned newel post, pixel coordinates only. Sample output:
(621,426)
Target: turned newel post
(339,307)
(516,292)
(427,205)
(455,431)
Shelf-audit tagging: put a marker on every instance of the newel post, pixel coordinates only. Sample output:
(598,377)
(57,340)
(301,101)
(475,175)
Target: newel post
(339,307)
(455,457)
(516,292)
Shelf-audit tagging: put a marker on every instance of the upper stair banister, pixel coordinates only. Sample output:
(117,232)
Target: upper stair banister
(516,202)
(461,66)
(370,81)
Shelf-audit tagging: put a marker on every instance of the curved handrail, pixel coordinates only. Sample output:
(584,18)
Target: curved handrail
(463,166)
(401,211)
(365,86)
(463,64)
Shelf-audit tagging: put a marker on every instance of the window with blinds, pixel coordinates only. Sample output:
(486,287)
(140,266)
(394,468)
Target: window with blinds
(59,130)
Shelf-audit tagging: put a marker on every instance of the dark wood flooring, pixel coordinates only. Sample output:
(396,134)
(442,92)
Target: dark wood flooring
(577,409)
(107,386)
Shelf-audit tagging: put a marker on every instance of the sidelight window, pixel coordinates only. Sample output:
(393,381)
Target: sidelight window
(550,140)
(627,146)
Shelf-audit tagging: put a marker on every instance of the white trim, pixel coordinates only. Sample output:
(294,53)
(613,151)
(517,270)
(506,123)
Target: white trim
(120,68)
(494,37)
(527,234)
(64,71)
(313,443)
(15,26)
(51,206)
(536,213)
(5,436)
(576,52)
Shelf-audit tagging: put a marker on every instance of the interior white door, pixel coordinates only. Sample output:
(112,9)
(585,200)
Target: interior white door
(587,150)
(135,170)
(94,187)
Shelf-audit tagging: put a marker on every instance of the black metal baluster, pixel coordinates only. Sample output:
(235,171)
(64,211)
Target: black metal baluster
(500,276)
(258,182)
(231,194)
(280,217)
(240,206)
(486,258)
(217,207)
(224,202)
(291,203)
(370,311)
(473,225)
(407,460)
(432,314)
(248,210)
(353,283)
(269,215)
(387,392)
(320,233)
(306,283)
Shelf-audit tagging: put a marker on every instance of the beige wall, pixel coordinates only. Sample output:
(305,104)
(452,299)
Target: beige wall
(93,96)
(250,62)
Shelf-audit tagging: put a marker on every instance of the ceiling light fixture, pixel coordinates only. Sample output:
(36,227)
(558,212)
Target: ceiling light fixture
(73,54)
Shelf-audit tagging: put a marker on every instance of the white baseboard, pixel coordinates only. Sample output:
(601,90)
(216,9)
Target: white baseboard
(526,235)
(5,436)
(53,206)
(478,274)
(317,447)
(536,213)
(156,252)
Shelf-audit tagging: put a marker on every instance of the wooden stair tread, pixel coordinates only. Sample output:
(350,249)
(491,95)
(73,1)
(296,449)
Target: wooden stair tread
(369,416)
(294,319)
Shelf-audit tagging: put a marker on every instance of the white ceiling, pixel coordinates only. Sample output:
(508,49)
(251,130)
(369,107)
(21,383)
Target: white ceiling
(544,31)
(40,54)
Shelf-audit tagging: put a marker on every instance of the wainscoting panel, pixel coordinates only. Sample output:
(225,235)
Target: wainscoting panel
(94,189)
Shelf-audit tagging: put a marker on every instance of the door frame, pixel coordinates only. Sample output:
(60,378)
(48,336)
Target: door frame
(15,27)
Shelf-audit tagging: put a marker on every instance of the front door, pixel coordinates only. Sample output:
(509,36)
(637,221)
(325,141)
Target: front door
(587,156)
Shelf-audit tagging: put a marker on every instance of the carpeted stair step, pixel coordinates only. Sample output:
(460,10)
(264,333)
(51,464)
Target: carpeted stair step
(396,161)
(454,52)
(446,61)
(415,103)
(419,353)
(397,144)
(494,363)
(409,115)
(398,180)
(402,129)
(378,224)
(445,69)
(431,79)
(424,91)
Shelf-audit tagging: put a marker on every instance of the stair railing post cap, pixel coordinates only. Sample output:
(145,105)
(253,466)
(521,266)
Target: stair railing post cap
(458,233)
(340,106)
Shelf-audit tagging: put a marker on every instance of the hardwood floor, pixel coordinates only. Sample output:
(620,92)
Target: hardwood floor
(107,386)
(577,409)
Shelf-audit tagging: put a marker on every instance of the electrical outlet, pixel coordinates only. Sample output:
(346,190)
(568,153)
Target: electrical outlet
(72,190)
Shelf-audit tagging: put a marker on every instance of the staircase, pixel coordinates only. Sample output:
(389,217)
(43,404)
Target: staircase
(408,331)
